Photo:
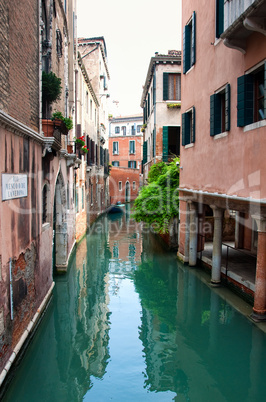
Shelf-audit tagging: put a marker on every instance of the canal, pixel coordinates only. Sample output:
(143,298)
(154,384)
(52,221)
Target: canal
(130,323)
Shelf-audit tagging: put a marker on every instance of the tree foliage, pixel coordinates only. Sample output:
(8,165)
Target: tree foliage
(158,202)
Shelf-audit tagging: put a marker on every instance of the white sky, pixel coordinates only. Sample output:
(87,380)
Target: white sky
(133,32)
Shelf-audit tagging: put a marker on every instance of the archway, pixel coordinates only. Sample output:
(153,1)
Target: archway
(59,227)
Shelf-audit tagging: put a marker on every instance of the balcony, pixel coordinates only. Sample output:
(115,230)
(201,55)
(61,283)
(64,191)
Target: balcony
(241,18)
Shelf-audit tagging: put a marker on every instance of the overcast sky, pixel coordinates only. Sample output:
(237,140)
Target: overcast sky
(133,32)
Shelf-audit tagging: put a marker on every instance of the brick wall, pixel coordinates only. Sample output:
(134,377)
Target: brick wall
(123,175)
(123,155)
(19,61)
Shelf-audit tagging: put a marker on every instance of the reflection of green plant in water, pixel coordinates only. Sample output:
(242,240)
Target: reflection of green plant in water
(205,316)
(155,294)
(224,315)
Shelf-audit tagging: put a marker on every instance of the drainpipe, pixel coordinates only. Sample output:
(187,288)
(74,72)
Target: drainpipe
(154,113)
(11,289)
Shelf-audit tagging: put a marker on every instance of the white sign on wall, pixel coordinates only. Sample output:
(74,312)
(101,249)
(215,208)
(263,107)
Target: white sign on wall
(14,186)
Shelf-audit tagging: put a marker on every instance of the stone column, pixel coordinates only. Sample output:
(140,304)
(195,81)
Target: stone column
(217,245)
(193,235)
(259,309)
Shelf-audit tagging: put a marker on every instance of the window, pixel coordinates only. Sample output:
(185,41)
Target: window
(115,148)
(44,203)
(188,127)
(220,111)
(138,129)
(251,99)
(132,164)
(132,147)
(171,86)
(120,185)
(59,48)
(189,44)
(219,17)
(134,185)
(124,130)
(133,129)
(117,130)
(115,163)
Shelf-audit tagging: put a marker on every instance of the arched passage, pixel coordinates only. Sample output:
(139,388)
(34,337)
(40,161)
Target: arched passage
(60,226)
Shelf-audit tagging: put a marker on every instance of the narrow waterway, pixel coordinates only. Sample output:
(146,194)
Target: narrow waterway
(130,323)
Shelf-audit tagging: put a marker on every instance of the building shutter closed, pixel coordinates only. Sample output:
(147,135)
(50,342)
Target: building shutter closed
(165,86)
(193,39)
(227,107)
(144,152)
(244,100)
(215,114)
(165,144)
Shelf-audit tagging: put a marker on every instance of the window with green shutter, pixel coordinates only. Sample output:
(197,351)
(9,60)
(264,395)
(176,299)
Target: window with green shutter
(154,90)
(189,44)
(251,97)
(220,111)
(189,127)
(132,164)
(171,86)
(144,160)
(165,144)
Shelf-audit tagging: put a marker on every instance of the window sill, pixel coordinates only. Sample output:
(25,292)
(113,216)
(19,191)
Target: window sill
(221,135)
(254,126)
(191,68)
(189,145)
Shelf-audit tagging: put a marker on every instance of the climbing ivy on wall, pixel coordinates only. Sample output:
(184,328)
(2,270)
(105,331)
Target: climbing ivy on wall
(158,201)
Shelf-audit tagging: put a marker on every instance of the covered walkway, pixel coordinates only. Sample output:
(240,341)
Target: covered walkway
(238,265)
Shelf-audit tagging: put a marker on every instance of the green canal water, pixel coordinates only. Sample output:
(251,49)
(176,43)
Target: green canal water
(130,323)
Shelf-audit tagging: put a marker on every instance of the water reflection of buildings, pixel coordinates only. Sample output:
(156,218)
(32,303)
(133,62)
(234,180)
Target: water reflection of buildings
(193,350)
(82,336)
(124,243)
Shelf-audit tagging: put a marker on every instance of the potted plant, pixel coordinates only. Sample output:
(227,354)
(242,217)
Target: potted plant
(51,91)
(80,141)
(64,124)
(84,149)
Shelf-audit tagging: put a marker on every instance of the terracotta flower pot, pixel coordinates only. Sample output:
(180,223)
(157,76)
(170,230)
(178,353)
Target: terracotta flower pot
(48,128)
(70,149)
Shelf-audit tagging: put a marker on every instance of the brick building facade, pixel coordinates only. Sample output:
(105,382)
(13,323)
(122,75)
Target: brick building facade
(125,150)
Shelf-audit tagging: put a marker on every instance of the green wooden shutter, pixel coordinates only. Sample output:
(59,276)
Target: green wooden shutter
(244,100)
(165,144)
(128,164)
(154,89)
(154,143)
(227,107)
(193,124)
(219,17)
(144,115)
(215,114)
(165,86)
(144,152)
(135,164)
(186,48)
(149,104)
(193,39)
(186,128)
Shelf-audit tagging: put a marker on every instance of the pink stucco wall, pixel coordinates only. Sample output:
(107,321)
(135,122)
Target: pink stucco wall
(234,164)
